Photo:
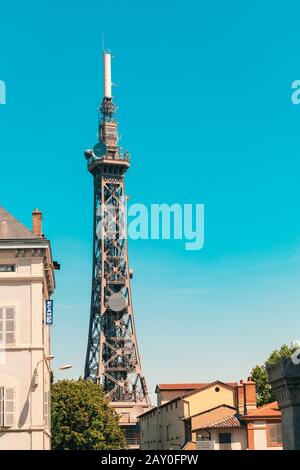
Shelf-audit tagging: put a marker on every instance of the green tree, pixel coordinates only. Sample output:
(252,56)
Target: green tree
(260,377)
(82,418)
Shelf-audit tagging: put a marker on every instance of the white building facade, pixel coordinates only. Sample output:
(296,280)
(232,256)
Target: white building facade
(26,282)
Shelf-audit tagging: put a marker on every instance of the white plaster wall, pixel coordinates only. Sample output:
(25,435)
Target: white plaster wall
(260,437)
(18,364)
(238,438)
(11,441)
(149,432)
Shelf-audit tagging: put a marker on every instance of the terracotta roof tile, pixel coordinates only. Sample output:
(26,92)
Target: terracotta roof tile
(189,386)
(230,422)
(270,409)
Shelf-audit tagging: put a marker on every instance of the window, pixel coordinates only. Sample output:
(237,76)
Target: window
(7,268)
(7,325)
(225,438)
(274,435)
(7,407)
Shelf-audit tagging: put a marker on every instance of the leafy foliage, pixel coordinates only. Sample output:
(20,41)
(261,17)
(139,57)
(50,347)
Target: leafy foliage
(259,373)
(82,418)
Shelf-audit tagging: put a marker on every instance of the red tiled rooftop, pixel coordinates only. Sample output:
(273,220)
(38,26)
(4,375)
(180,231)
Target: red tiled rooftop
(189,386)
(230,422)
(270,409)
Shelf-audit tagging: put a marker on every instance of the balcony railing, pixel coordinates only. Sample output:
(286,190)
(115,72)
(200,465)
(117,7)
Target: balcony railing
(133,441)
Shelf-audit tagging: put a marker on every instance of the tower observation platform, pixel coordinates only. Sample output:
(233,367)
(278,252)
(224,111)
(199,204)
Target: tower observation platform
(112,358)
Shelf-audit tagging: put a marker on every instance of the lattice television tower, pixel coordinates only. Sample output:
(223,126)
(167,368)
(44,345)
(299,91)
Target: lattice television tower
(112,358)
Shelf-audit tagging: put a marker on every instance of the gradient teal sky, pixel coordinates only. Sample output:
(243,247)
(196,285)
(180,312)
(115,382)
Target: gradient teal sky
(204,96)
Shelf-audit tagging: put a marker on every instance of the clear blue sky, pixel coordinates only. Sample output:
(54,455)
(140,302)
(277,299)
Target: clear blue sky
(204,108)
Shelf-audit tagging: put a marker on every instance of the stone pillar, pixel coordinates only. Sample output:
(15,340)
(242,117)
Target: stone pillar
(284,378)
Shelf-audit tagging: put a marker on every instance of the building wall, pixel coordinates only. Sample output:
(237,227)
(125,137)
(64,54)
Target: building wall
(165,426)
(260,436)
(23,290)
(172,426)
(209,398)
(149,426)
(238,439)
(163,396)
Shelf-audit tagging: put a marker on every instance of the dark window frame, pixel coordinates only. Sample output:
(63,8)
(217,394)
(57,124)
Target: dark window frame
(223,439)
(7,268)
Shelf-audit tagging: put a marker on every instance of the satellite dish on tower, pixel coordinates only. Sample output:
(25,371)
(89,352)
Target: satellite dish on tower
(117,302)
(99,150)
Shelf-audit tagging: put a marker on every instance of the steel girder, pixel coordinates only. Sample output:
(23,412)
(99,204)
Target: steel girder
(112,354)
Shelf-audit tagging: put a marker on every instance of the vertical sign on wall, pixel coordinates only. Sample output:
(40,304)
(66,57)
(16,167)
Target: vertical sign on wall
(49,312)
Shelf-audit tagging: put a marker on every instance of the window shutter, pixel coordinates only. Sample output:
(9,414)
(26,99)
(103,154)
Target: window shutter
(1,406)
(10,326)
(46,408)
(279,433)
(1,324)
(273,434)
(9,407)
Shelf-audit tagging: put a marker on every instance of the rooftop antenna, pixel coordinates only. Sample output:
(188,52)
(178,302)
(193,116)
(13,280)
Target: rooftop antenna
(107,107)
(107,74)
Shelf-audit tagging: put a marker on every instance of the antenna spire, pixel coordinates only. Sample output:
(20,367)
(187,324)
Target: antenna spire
(107,74)
(108,108)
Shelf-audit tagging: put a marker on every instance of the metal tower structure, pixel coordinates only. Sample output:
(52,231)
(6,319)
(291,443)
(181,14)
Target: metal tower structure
(112,358)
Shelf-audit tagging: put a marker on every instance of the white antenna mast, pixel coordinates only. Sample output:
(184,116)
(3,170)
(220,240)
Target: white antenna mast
(107,74)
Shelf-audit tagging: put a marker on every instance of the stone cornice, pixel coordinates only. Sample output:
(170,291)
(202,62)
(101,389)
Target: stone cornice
(284,377)
(37,247)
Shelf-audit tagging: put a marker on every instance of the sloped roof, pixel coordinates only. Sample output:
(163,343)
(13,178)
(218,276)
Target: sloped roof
(269,410)
(12,229)
(184,386)
(228,385)
(230,422)
(191,386)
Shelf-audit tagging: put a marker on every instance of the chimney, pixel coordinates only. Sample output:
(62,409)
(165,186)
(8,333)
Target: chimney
(250,395)
(240,398)
(37,223)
